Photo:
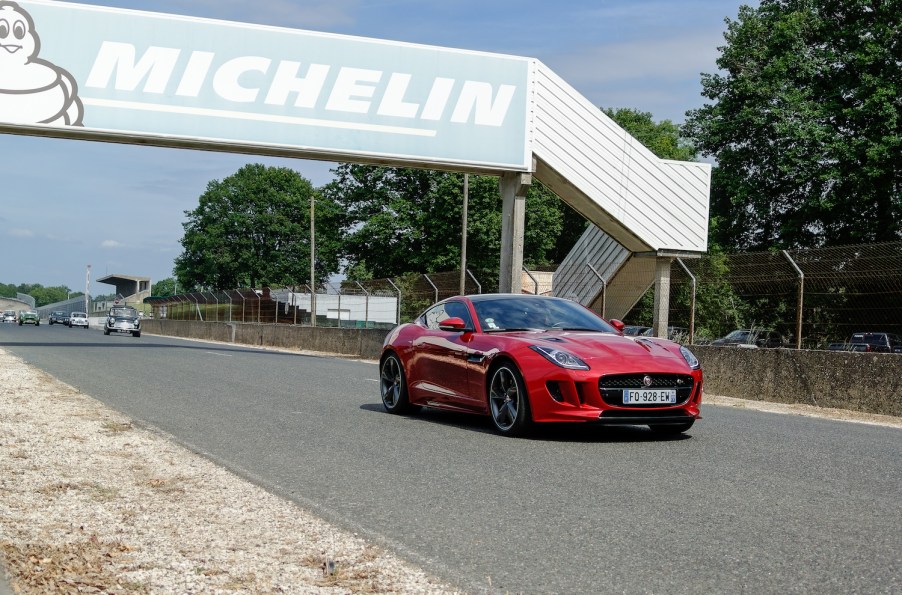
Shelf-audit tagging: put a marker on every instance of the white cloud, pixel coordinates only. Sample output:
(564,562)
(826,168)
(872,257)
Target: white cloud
(111,244)
(21,233)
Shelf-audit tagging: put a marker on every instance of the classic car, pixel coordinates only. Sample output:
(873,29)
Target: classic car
(9,316)
(122,319)
(29,317)
(78,319)
(526,359)
(58,317)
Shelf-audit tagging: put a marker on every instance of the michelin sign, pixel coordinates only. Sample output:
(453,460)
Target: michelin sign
(193,82)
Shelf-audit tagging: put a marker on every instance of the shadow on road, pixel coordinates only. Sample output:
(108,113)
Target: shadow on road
(543,432)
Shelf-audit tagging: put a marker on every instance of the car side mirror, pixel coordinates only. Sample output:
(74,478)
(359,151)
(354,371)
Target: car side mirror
(453,324)
(617,324)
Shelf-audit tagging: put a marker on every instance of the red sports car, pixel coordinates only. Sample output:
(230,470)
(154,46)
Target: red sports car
(524,359)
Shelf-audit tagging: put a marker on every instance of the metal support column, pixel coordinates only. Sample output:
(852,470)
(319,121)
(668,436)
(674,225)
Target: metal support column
(801,301)
(662,296)
(513,186)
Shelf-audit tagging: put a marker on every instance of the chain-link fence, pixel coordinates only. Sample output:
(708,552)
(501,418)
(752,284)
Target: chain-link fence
(812,297)
(821,295)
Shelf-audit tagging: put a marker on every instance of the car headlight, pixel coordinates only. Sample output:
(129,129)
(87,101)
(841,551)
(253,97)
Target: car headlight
(690,358)
(560,357)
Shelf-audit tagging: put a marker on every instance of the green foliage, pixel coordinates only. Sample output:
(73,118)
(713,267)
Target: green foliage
(42,295)
(806,125)
(402,220)
(164,287)
(663,138)
(253,229)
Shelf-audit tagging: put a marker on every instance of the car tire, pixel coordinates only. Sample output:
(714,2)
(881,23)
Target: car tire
(508,401)
(393,385)
(37,324)
(672,429)
(106,331)
(137,334)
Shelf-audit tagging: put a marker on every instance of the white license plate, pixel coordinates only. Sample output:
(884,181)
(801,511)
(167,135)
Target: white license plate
(643,396)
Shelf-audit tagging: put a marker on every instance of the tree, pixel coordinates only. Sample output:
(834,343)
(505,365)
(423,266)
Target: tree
(253,229)
(664,138)
(403,220)
(164,287)
(806,125)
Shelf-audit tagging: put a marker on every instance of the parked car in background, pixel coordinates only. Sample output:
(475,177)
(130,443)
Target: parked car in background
(78,319)
(870,342)
(764,338)
(674,333)
(634,330)
(58,317)
(29,317)
(122,319)
(9,316)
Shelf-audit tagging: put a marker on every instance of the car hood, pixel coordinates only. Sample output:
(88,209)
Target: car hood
(601,350)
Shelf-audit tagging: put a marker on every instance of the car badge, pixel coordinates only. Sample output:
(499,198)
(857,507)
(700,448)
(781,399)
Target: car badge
(646,380)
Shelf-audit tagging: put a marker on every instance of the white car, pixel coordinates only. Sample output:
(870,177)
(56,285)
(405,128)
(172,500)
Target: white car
(78,319)
(10,316)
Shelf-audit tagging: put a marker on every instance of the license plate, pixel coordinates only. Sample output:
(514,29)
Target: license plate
(644,396)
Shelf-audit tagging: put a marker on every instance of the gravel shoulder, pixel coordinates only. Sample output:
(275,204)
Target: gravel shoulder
(92,503)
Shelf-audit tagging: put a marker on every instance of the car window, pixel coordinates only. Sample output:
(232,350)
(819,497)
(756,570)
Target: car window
(531,313)
(435,315)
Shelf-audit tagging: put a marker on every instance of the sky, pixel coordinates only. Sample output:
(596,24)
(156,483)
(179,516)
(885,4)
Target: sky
(119,208)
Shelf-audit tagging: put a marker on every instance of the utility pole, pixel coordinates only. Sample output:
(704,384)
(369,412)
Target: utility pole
(312,264)
(87,288)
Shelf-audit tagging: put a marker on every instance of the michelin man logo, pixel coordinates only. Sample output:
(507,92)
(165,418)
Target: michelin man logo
(32,90)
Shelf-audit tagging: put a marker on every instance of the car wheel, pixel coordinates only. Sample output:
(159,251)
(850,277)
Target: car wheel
(672,429)
(508,402)
(106,331)
(393,385)
(137,334)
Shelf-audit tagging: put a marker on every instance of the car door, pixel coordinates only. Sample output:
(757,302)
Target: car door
(439,365)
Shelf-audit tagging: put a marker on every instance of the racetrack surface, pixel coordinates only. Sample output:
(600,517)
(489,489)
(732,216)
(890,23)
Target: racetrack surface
(748,501)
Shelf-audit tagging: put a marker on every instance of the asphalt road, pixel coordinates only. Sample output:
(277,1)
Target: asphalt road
(748,502)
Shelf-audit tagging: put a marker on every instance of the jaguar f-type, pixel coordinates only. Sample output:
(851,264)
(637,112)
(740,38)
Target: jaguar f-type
(525,359)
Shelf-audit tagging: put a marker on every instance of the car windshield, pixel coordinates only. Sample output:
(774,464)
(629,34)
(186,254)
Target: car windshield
(739,335)
(124,313)
(79,315)
(536,313)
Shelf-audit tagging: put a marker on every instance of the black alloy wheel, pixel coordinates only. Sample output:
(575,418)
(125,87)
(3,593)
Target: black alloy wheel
(508,402)
(393,385)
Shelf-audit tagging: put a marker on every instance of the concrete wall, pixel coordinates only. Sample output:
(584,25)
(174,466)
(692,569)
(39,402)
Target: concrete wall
(866,382)
(364,343)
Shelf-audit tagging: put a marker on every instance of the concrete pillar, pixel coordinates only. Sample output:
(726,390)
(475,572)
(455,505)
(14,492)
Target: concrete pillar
(662,296)
(513,186)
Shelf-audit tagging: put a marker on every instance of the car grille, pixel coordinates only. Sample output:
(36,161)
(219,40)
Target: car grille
(612,386)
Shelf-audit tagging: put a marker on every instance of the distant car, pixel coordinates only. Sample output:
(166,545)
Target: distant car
(122,319)
(29,317)
(635,331)
(764,338)
(870,342)
(525,359)
(78,319)
(674,333)
(58,317)
(9,316)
